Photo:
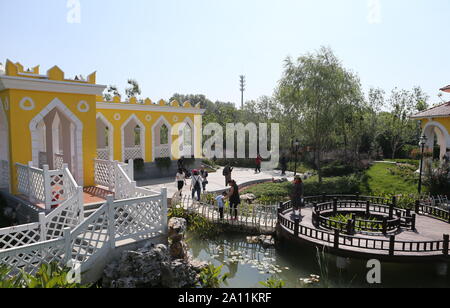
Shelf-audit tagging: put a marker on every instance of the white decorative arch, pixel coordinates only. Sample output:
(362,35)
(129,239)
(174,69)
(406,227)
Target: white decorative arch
(56,103)
(161,120)
(111,134)
(5,160)
(188,121)
(443,136)
(142,126)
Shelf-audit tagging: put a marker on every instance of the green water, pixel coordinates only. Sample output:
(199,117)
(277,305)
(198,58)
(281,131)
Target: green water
(248,264)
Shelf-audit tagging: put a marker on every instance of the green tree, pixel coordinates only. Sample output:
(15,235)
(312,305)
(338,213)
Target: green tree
(314,90)
(133,89)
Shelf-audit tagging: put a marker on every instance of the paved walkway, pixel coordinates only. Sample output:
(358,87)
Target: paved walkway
(216,180)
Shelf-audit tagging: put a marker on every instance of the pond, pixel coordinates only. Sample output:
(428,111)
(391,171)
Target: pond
(248,264)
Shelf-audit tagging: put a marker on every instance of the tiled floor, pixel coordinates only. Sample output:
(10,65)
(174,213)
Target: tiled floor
(95,194)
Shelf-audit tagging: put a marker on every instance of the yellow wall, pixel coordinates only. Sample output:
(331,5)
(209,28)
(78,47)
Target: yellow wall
(444,121)
(171,117)
(20,135)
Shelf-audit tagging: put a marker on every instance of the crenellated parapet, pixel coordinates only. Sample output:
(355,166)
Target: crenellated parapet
(148,102)
(54,74)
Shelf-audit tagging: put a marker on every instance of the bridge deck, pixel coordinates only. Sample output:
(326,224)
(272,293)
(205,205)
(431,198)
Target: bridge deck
(427,229)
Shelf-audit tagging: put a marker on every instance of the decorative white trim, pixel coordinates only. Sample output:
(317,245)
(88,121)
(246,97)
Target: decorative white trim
(161,120)
(23,105)
(56,103)
(148,118)
(111,134)
(154,108)
(142,126)
(175,118)
(83,106)
(45,85)
(4,118)
(189,121)
(117,116)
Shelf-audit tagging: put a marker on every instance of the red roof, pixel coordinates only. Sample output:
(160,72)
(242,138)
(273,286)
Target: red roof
(446,89)
(442,110)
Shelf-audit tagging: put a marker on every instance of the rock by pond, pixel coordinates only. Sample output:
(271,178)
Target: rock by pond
(156,266)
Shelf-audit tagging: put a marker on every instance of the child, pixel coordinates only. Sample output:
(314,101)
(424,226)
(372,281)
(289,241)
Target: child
(221,203)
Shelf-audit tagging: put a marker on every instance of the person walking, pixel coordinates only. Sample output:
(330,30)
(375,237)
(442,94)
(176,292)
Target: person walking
(181,163)
(181,180)
(227,174)
(204,174)
(235,199)
(196,184)
(283,165)
(221,203)
(258,163)
(297,196)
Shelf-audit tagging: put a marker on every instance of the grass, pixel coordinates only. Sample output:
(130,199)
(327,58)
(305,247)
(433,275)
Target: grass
(381,180)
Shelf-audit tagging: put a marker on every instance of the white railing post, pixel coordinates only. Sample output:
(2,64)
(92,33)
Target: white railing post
(80,194)
(131,169)
(42,228)
(30,191)
(164,210)
(47,188)
(67,246)
(111,221)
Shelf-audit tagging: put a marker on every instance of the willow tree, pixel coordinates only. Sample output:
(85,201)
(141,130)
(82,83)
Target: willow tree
(317,92)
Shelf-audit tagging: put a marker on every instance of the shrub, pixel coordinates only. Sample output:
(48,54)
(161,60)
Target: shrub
(335,185)
(48,276)
(211,277)
(163,162)
(337,169)
(196,223)
(273,283)
(139,164)
(438,182)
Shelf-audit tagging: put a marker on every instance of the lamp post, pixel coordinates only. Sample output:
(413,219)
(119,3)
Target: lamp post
(422,143)
(296,149)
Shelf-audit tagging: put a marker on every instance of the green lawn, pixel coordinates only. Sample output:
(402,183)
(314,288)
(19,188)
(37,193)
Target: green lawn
(380,180)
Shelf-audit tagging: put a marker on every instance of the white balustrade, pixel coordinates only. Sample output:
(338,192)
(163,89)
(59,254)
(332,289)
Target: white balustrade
(133,219)
(58,161)
(103,154)
(133,153)
(162,151)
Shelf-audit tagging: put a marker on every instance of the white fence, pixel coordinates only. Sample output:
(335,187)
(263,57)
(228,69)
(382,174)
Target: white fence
(48,187)
(116,176)
(162,151)
(115,222)
(68,214)
(103,154)
(133,153)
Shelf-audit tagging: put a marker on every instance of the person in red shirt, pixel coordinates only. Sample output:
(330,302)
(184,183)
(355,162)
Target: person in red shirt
(258,164)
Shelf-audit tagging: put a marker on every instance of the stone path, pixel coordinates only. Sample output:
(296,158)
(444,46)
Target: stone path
(216,180)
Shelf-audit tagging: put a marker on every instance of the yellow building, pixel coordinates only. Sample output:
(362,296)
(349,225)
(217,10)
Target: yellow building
(436,125)
(51,120)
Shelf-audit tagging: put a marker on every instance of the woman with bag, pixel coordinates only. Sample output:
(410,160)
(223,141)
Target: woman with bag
(235,199)
(196,184)
(181,180)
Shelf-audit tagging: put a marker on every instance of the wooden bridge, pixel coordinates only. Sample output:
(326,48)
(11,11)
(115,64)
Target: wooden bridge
(261,218)
(422,234)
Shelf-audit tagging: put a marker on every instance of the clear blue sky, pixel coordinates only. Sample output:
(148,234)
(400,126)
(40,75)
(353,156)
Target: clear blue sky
(202,46)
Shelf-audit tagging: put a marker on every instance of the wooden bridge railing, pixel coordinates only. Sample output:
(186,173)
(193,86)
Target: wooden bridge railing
(390,247)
